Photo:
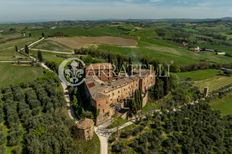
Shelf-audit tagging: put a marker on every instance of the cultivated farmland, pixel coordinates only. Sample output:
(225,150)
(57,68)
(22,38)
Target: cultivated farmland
(223,104)
(199,75)
(214,83)
(80,42)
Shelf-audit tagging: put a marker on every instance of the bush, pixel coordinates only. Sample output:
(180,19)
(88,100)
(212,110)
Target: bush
(2,139)
(118,148)
(137,130)
(13,139)
(125,134)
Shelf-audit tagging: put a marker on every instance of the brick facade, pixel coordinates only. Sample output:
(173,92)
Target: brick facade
(106,97)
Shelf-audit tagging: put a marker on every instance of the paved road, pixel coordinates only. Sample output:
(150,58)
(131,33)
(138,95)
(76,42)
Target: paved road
(66,96)
(67,99)
(32,44)
(52,51)
(103,141)
(36,42)
(104,134)
(65,91)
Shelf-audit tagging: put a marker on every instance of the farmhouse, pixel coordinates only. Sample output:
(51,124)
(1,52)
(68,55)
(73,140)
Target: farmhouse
(221,53)
(113,94)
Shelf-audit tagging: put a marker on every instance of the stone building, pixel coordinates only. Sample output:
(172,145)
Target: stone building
(112,95)
(85,129)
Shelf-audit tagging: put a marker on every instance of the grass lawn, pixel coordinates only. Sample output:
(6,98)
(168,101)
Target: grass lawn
(199,75)
(223,104)
(12,74)
(214,83)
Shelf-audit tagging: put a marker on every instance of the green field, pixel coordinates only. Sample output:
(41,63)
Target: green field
(199,75)
(52,46)
(214,83)
(166,52)
(150,44)
(13,74)
(7,49)
(78,31)
(51,57)
(223,104)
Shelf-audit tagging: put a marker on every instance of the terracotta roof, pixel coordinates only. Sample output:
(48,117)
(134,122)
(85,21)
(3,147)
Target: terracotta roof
(84,124)
(99,90)
(100,96)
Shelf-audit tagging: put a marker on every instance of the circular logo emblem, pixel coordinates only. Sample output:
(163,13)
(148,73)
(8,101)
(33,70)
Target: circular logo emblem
(71,72)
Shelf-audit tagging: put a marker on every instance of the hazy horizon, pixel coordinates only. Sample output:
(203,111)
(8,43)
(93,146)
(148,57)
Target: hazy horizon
(15,11)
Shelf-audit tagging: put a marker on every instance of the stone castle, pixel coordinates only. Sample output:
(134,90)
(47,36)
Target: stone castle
(109,94)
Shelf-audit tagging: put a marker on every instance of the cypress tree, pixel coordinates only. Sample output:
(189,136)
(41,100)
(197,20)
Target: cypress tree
(26,49)
(40,56)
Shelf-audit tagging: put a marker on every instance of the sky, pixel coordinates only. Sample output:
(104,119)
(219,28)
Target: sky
(51,10)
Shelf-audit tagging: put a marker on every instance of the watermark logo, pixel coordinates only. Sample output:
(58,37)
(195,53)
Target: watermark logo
(71,72)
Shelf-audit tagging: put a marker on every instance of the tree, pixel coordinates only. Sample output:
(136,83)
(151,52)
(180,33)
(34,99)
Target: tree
(145,62)
(26,49)
(16,48)
(109,60)
(40,56)
(129,67)
(43,35)
(157,91)
(138,99)
(119,63)
(75,105)
(2,138)
(132,106)
(136,103)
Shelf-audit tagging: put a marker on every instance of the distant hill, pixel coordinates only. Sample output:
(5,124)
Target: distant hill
(92,22)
